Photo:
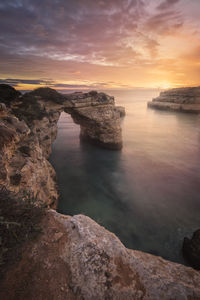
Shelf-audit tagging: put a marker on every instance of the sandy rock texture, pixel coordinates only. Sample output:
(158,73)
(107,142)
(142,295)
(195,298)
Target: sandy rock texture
(75,258)
(181,99)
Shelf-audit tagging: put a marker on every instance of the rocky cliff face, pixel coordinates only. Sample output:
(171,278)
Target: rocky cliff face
(28,126)
(75,258)
(24,169)
(181,99)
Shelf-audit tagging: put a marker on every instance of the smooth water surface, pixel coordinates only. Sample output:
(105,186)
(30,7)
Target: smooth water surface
(149,193)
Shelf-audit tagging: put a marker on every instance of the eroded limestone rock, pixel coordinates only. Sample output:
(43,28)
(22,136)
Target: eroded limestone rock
(100,125)
(8,94)
(181,99)
(75,258)
(28,127)
(96,114)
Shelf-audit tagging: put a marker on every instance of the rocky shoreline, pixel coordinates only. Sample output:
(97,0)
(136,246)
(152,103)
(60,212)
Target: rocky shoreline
(73,257)
(28,126)
(180,100)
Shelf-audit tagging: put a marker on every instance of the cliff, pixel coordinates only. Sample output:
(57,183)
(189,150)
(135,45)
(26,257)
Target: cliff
(180,99)
(28,127)
(72,257)
(23,166)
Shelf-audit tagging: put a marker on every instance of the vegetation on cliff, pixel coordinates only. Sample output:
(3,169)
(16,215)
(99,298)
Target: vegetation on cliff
(29,109)
(48,94)
(8,93)
(19,223)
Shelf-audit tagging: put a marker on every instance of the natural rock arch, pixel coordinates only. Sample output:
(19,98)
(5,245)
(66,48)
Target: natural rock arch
(31,120)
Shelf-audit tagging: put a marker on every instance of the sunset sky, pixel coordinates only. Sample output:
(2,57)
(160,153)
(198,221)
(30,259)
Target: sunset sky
(97,44)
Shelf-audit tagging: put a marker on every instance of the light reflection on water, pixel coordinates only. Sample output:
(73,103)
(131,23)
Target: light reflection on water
(147,194)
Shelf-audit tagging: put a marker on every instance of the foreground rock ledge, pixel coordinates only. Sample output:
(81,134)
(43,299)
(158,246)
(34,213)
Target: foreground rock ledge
(181,99)
(75,258)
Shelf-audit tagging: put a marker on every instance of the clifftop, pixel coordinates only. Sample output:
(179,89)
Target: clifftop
(75,258)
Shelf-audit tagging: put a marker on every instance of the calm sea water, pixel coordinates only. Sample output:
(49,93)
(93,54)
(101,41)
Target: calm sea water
(149,193)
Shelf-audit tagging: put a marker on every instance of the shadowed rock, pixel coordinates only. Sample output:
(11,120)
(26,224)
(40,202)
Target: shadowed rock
(191,249)
(121,110)
(8,94)
(99,125)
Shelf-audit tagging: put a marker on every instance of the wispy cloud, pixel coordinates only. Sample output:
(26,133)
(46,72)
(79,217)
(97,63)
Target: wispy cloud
(167,4)
(94,40)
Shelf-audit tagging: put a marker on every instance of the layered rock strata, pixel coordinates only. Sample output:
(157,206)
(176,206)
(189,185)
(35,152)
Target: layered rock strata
(180,99)
(75,258)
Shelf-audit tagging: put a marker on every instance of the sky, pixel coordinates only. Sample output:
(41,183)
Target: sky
(100,44)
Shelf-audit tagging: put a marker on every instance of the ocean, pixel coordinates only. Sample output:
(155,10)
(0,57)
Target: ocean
(148,194)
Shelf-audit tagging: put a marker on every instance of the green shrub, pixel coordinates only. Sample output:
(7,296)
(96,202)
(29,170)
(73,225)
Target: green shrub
(29,109)
(48,94)
(93,93)
(8,94)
